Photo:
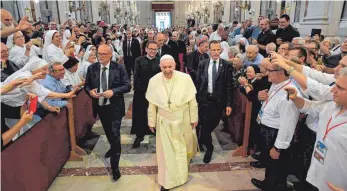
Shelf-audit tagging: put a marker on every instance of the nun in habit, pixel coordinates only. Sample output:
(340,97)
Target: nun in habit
(19,53)
(88,59)
(52,51)
(13,101)
(71,77)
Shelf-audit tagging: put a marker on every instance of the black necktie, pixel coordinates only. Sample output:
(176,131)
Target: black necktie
(104,82)
(214,72)
(129,48)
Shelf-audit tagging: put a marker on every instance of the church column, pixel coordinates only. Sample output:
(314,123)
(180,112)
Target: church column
(342,31)
(227,12)
(320,16)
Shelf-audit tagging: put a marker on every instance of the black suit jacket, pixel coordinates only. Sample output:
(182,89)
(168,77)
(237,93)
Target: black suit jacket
(135,48)
(118,82)
(222,89)
(174,52)
(164,50)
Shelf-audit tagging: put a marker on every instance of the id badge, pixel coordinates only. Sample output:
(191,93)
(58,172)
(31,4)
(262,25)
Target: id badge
(260,114)
(320,151)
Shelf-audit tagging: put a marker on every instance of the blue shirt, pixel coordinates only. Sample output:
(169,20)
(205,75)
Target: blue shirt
(256,61)
(55,86)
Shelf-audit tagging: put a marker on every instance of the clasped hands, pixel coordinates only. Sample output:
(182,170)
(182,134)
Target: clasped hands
(107,94)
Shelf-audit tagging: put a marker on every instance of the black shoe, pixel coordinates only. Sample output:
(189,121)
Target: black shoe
(208,156)
(257,164)
(116,174)
(163,189)
(256,156)
(137,142)
(108,154)
(258,183)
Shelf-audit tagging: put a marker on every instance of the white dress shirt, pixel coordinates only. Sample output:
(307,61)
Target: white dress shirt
(16,97)
(17,54)
(101,99)
(210,80)
(281,114)
(321,77)
(318,91)
(55,54)
(334,168)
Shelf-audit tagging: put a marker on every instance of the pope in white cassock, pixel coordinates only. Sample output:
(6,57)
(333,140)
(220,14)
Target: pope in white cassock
(173,113)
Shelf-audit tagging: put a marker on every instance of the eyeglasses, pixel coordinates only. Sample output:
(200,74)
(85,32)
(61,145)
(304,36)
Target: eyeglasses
(103,54)
(269,70)
(153,50)
(19,37)
(60,70)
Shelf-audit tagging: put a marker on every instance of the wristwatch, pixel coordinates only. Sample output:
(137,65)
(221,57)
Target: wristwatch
(277,149)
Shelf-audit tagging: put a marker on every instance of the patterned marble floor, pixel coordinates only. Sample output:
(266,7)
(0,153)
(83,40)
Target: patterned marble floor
(139,167)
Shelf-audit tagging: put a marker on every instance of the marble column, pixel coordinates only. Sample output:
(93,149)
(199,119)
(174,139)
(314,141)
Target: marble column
(343,23)
(226,16)
(320,16)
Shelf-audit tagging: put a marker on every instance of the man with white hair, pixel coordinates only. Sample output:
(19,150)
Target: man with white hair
(253,55)
(271,47)
(298,42)
(217,35)
(173,114)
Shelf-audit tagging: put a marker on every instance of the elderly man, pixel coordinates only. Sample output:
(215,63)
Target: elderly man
(106,83)
(173,114)
(7,66)
(327,170)
(217,35)
(265,37)
(277,118)
(7,26)
(333,61)
(182,50)
(253,55)
(163,48)
(271,47)
(298,42)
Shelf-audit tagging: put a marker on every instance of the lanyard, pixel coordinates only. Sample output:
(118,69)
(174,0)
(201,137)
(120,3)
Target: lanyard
(327,130)
(267,101)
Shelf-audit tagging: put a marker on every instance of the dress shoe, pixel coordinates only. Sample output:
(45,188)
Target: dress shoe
(257,164)
(137,142)
(256,155)
(258,183)
(108,154)
(208,156)
(116,174)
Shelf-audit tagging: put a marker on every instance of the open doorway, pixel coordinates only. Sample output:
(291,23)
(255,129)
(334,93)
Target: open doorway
(162,20)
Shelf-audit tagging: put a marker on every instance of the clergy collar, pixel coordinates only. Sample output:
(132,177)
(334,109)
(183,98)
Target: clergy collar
(149,57)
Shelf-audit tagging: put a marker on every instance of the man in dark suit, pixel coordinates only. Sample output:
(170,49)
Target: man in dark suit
(196,57)
(131,51)
(182,49)
(106,82)
(214,87)
(174,48)
(162,47)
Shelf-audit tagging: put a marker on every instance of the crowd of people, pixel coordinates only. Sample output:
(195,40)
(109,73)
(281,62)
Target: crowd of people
(186,79)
